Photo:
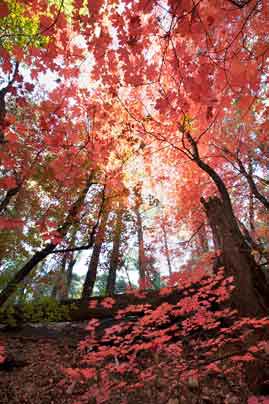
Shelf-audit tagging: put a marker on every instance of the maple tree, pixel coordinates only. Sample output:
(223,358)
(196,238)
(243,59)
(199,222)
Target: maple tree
(117,108)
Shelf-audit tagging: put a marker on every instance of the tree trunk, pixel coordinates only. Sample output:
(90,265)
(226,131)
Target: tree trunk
(141,249)
(59,288)
(3,111)
(251,293)
(48,249)
(12,191)
(92,269)
(69,274)
(253,186)
(111,280)
(251,206)
(24,271)
(166,248)
(69,261)
(203,241)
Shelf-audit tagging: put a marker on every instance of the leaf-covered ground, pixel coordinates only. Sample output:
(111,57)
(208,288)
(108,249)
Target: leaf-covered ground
(33,373)
(36,355)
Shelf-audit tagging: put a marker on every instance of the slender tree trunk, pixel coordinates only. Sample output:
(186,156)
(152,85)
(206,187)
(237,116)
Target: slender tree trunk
(48,249)
(248,174)
(253,186)
(140,238)
(65,279)
(251,208)
(53,294)
(3,111)
(59,287)
(126,268)
(69,275)
(94,261)
(141,249)
(203,241)
(114,261)
(69,261)
(166,248)
(12,191)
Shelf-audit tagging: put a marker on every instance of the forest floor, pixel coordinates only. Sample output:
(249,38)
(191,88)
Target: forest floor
(37,355)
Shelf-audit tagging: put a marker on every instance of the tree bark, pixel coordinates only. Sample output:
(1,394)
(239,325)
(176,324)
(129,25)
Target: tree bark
(13,191)
(69,274)
(93,265)
(251,294)
(59,290)
(251,206)
(3,111)
(252,185)
(248,174)
(114,261)
(203,241)
(141,249)
(69,261)
(48,249)
(166,248)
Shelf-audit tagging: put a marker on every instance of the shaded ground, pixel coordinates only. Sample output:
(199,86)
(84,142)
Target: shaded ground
(36,355)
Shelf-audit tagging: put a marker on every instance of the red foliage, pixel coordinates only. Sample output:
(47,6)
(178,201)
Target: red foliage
(155,351)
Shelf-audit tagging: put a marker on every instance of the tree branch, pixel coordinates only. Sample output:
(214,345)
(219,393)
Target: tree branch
(212,174)
(92,235)
(252,184)
(239,3)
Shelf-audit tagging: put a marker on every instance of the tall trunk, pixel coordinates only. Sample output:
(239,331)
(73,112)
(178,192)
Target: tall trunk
(166,248)
(92,269)
(141,249)
(69,261)
(140,238)
(48,249)
(12,191)
(203,241)
(59,288)
(54,291)
(251,210)
(251,294)
(128,277)
(3,111)
(114,261)
(69,274)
